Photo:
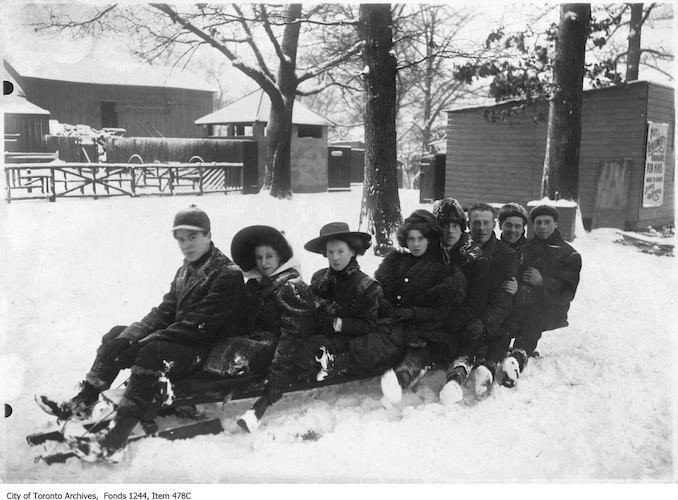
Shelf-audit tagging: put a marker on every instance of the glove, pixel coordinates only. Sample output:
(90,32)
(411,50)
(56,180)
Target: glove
(273,391)
(403,313)
(111,351)
(474,330)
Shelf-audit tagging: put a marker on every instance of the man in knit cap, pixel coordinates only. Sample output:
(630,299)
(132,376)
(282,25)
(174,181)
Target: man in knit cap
(549,276)
(513,223)
(462,252)
(503,267)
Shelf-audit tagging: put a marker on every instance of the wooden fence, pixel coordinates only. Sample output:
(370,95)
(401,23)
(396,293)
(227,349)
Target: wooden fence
(71,180)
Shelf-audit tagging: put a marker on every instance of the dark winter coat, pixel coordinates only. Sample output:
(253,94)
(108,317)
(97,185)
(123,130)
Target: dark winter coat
(424,284)
(280,308)
(503,266)
(350,295)
(560,267)
(468,257)
(518,246)
(204,300)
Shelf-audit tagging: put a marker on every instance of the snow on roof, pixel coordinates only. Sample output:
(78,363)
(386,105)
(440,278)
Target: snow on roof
(106,72)
(16,102)
(256,107)
(19,105)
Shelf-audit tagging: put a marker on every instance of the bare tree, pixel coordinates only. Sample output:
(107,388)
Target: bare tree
(381,204)
(561,162)
(229,30)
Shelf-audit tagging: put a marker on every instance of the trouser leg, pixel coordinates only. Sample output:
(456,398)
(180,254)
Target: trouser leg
(102,373)
(382,347)
(151,362)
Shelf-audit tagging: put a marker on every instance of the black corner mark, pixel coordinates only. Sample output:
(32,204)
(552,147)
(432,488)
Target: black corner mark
(7,87)
(8,410)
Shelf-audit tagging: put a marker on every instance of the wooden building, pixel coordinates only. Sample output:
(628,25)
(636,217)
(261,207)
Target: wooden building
(25,123)
(496,154)
(147,101)
(246,118)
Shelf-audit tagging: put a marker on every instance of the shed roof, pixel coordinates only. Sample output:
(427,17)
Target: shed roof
(96,71)
(256,107)
(16,102)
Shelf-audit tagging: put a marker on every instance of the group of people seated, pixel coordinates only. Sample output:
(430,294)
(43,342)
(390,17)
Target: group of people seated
(463,300)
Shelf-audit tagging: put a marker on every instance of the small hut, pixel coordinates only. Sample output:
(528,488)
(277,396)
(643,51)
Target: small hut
(626,161)
(247,118)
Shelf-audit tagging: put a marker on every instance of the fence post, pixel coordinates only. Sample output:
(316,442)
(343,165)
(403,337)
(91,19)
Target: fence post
(133,181)
(201,170)
(8,186)
(52,191)
(94,182)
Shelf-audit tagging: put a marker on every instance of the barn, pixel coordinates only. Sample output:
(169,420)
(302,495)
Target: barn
(247,117)
(146,101)
(626,163)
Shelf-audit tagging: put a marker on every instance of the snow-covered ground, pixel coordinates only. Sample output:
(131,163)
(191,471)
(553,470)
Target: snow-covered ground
(598,405)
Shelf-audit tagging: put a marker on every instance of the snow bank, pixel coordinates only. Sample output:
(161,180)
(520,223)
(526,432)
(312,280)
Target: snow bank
(597,406)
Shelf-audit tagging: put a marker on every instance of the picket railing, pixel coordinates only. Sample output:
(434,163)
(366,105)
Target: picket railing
(60,180)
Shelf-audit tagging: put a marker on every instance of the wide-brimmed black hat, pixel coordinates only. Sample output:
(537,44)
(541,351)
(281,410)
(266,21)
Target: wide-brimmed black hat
(245,241)
(339,231)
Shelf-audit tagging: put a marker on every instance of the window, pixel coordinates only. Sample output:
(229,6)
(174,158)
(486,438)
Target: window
(315,131)
(109,116)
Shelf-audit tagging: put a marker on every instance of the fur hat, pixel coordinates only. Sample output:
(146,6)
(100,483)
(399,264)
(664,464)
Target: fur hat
(191,219)
(512,210)
(247,239)
(423,221)
(356,240)
(449,210)
(543,210)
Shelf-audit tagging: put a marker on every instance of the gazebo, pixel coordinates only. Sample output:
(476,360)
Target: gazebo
(247,118)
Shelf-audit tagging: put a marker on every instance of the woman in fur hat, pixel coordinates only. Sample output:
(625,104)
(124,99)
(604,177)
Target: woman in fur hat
(346,299)
(419,288)
(280,317)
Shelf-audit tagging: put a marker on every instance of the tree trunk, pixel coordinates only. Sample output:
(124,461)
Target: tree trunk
(279,130)
(633,55)
(561,162)
(381,204)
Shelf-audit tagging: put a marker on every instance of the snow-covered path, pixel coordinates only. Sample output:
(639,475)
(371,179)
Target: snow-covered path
(598,405)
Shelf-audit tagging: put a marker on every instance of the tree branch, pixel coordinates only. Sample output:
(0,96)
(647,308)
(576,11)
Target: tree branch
(250,42)
(257,75)
(271,35)
(354,49)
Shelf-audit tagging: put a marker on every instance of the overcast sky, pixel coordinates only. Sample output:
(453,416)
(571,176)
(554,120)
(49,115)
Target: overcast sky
(21,42)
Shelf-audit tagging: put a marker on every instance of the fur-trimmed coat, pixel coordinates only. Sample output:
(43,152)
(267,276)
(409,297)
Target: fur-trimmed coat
(350,295)
(424,284)
(468,257)
(280,307)
(503,266)
(202,303)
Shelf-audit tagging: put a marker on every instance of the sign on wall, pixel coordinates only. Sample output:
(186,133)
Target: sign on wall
(655,157)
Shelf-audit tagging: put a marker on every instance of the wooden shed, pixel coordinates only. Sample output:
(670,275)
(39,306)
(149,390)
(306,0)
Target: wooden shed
(626,163)
(247,117)
(146,101)
(25,123)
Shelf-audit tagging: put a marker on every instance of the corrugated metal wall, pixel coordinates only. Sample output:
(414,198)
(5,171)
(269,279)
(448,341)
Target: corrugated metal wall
(502,161)
(140,110)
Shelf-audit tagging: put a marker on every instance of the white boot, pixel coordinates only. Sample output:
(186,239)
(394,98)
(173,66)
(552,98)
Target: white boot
(248,421)
(510,371)
(451,393)
(481,381)
(390,387)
